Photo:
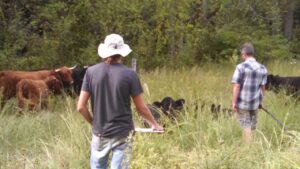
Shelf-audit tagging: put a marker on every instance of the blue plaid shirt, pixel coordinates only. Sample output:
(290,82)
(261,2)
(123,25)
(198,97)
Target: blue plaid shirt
(251,75)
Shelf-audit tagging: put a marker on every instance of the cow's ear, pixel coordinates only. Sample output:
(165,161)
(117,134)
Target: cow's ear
(71,68)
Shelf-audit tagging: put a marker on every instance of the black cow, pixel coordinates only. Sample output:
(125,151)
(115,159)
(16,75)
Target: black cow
(168,106)
(155,111)
(290,84)
(78,75)
(217,110)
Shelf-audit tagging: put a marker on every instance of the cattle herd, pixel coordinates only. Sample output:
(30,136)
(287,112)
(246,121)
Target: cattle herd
(32,89)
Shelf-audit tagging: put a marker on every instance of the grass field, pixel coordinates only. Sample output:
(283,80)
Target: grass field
(58,138)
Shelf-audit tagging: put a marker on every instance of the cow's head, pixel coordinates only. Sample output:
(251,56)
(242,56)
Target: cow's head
(269,81)
(54,84)
(78,75)
(272,82)
(215,108)
(178,104)
(65,75)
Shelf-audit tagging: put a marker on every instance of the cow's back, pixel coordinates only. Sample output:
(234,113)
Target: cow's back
(32,87)
(8,85)
(34,75)
(290,83)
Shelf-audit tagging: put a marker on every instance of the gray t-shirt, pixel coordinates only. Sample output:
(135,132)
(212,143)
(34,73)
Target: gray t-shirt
(110,88)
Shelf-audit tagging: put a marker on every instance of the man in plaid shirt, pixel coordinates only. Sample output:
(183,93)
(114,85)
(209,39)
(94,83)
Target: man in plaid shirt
(248,81)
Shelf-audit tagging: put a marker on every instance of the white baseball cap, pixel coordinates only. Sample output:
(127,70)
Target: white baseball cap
(113,45)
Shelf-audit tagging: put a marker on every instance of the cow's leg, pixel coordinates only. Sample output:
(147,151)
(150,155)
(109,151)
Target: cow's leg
(32,105)
(33,101)
(44,103)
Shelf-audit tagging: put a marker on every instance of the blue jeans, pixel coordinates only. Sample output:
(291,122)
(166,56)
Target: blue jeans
(101,147)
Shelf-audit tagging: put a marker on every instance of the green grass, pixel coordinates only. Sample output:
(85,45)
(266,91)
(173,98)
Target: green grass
(59,138)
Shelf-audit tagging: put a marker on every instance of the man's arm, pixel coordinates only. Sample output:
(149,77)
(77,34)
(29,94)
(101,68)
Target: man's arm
(235,94)
(144,111)
(82,106)
(263,89)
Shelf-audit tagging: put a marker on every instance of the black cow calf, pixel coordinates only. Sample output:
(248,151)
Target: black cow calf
(155,111)
(168,106)
(290,84)
(216,110)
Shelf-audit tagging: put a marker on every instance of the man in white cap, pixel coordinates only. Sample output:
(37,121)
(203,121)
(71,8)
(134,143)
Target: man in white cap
(111,85)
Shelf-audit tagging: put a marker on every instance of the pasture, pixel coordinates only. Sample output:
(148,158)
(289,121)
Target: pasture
(58,138)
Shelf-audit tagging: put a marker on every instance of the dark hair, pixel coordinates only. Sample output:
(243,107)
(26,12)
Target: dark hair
(248,49)
(112,59)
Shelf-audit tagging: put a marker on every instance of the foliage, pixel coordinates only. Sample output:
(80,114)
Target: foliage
(46,34)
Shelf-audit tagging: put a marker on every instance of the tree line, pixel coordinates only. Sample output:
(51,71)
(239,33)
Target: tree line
(48,33)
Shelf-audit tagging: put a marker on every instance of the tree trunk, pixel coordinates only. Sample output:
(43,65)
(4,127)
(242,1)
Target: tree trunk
(172,32)
(205,11)
(289,20)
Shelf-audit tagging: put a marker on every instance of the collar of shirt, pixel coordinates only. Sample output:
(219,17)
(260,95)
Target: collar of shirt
(251,59)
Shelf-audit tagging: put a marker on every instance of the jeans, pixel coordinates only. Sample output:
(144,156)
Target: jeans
(101,147)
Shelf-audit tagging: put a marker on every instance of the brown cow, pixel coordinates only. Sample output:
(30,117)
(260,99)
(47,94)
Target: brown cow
(9,79)
(33,93)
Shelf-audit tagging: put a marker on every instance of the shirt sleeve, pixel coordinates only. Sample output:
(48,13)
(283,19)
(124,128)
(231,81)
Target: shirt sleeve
(264,80)
(237,76)
(86,83)
(135,87)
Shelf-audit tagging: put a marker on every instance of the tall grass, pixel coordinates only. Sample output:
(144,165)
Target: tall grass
(58,138)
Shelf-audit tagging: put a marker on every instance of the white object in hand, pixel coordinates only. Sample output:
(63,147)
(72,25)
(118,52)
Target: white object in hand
(148,130)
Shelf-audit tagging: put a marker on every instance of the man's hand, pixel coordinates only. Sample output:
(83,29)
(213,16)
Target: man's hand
(234,107)
(157,128)
(235,93)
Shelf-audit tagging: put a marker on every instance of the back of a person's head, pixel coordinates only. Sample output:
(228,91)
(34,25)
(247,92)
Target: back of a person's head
(248,49)
(112,59)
